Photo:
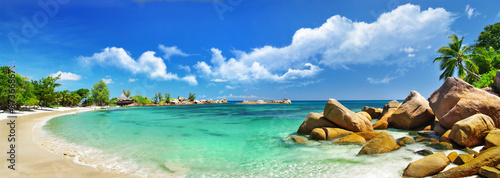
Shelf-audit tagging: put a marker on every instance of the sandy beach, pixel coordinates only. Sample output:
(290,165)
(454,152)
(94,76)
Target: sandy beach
(33,160)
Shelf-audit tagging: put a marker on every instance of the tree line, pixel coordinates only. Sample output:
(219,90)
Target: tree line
(476,64)
(42,92)
(157,98)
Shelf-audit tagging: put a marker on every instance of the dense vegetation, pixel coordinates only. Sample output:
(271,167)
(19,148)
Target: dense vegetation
(478,64)
(39,92)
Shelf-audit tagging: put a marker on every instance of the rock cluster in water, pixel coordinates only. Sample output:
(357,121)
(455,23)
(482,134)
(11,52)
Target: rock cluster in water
(457,113)
(284,101)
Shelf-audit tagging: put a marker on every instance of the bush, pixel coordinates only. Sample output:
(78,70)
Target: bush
(487,80)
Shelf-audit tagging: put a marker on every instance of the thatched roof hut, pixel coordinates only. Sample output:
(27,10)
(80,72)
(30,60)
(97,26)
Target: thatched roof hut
(124,100)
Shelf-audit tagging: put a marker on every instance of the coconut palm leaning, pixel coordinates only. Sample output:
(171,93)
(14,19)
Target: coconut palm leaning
(454,56)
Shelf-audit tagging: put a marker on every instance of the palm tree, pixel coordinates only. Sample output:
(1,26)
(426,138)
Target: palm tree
(454,56)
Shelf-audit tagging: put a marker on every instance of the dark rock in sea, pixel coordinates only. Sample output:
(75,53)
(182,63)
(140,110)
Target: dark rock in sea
(456,100)
(413,113)
(424,152)
(413,133)
(428,134)
(489,157)
(425,140)
(403,141)
(441,146)
(427,166)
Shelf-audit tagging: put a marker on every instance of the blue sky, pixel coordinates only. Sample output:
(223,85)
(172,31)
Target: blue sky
(239,49)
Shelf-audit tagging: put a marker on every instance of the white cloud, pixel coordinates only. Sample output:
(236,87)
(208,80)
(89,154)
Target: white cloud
(385,80)
(186,68)
(107,80)
(171,51)
(218,80)
(147,64)
(66,76)
(232,69)
(132,79)
(230,87)
(300,84)
(337,43)
(470,11)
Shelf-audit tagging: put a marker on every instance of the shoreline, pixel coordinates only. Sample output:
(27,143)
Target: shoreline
(31,158)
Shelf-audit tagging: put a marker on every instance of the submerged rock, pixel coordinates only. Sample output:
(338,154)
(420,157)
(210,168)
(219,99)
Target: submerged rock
(298,139)
(471,131)
(424,152)
(489,157)
(427,166)
(456,100)
(403,141)
(312,121)
(382,143)
(413,113)
(441,146)
(345,118)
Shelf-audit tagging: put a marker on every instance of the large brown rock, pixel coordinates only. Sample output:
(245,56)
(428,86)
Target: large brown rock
(333,133)
(365,114)
(427,166)
(489,157)
(312,121)
(456,100)
(318,134)
(387,112)
(375,113)
(471,131)
(382,143)
(368,135)
(439,130)
(413,113)
(351,139)
(345,118)
(492,139)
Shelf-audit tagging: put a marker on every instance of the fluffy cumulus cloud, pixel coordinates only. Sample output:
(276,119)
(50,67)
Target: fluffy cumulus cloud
(398,37)
(66,76)
(107,81)
(147,64)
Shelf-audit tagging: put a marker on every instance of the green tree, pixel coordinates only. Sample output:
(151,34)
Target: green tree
(454,56)
(83,93)
(140,99)
(487,59)
(126,93)
(64,97)
(490,37)
(74,98)
(167,97)
(112,102)
(157,98)
(100,93)
(44,90)
(24,90)
(192,96)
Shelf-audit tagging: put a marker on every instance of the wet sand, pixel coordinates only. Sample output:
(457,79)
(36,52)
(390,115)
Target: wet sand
(33,160)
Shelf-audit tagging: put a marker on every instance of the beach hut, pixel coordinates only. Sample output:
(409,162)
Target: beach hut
(124,100)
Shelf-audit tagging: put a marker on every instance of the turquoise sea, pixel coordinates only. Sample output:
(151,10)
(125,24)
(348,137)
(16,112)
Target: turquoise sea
(219,140)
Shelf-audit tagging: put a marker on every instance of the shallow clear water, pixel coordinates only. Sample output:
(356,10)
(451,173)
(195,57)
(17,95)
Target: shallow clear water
(225,140)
